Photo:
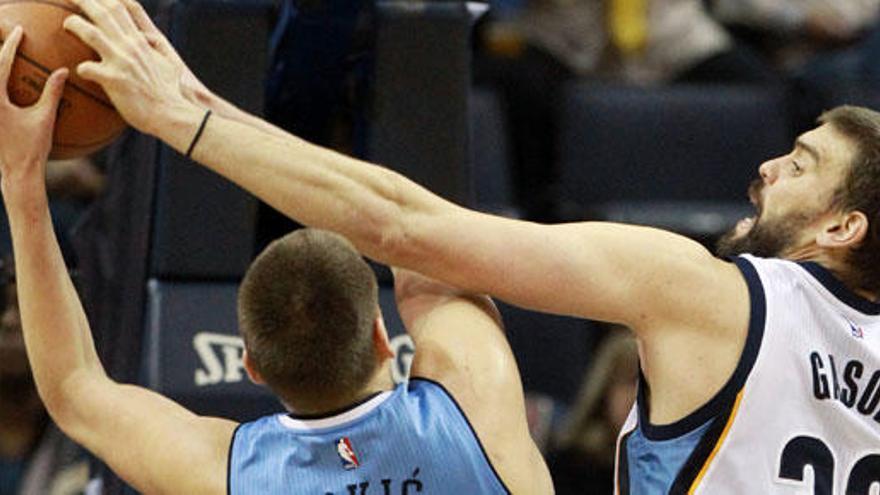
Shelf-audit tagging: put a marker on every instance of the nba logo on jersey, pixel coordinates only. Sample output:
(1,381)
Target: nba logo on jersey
(346,453)
(857,331)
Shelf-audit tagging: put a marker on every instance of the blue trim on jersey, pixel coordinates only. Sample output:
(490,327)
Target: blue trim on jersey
(668,458)
(700,455)
(654,465)
(840,291)
(229,460)
(722,401)
(757,321)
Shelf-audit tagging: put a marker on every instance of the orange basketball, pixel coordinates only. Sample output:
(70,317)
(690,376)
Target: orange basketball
(87,120)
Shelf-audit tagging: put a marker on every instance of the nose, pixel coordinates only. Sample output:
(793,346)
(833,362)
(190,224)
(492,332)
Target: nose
(769,171)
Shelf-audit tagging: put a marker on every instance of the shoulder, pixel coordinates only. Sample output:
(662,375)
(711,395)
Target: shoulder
(249,438)
(432,393)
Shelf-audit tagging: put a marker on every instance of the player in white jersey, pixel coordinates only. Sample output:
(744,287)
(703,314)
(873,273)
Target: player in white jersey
(712,360)
(805,394)
(313,333)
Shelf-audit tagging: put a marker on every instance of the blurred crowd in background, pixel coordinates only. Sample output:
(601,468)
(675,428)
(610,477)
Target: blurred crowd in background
(529,49)
(525,50)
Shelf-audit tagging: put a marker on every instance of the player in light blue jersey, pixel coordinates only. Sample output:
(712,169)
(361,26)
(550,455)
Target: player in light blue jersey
(727,346)
(313,334)
(309,317)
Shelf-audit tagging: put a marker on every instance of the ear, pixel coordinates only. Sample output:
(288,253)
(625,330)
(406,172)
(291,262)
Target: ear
(843,230)
(381,343)
(251,369)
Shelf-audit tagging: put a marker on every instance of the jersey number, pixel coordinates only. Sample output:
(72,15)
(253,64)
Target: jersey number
(801,452)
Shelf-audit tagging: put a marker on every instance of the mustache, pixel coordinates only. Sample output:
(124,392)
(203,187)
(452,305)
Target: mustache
(755,190)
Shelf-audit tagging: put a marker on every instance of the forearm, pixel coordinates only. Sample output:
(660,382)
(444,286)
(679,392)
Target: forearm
(564,269)
(56,332)
(226,109)
(315,186)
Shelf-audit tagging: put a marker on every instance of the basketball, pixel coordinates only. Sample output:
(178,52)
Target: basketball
(87,120)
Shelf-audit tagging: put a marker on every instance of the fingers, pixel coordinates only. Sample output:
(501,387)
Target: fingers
(90,35)
(53,90)
(141,18)
(7,57)
(92,71)
(153,40)
(159,43)
(110,16)
(154,36)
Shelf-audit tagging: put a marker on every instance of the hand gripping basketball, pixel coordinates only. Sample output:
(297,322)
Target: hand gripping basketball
(26,133)
(141,75)
(87,120)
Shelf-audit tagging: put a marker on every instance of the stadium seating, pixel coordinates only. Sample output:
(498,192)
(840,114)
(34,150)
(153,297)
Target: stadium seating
(490,154)
(189,195)
(419,120)
(854,94)
(679,157)
(161,288)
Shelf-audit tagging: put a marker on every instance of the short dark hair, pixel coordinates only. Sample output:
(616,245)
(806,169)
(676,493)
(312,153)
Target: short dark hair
(860,189)
(306,310)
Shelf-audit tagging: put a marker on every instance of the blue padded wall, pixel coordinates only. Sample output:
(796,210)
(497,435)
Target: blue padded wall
(192,351)
(663,155)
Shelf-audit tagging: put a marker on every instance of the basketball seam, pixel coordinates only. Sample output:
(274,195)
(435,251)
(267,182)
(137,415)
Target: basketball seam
(42,67)
(74,86)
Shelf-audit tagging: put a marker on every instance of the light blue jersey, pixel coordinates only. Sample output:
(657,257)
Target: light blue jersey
(412,440)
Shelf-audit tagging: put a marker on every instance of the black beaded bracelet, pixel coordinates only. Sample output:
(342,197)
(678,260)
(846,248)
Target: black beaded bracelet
(198,135)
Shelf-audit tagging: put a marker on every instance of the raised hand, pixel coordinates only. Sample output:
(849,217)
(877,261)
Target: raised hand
(26,133)
(139,70)
(190,85)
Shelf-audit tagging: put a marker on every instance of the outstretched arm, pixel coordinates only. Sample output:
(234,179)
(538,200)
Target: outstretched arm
(460,343)
(145,438)
(641,277)
(190,86)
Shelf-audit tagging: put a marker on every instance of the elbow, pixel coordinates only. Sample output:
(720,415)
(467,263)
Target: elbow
(64,401)
(388,238)
(387,225)
(401,227)
(58,405)
(381,235)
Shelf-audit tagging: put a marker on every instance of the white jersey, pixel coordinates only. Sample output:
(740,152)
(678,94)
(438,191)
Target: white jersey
(801,413)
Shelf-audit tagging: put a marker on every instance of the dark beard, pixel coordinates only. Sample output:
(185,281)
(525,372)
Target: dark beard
(766,239)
